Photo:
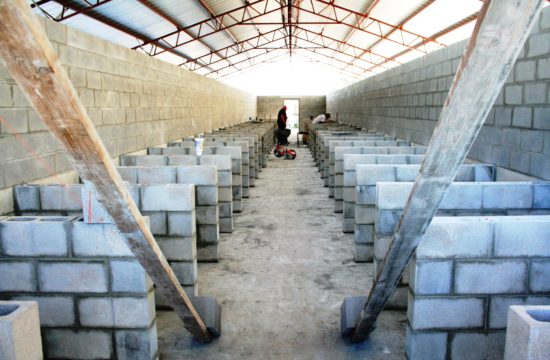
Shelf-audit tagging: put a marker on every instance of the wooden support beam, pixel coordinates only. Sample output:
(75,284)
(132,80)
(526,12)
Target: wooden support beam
(33,63)
(500,32)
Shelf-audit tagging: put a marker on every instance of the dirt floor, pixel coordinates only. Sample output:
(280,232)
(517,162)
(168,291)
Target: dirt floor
(283,275)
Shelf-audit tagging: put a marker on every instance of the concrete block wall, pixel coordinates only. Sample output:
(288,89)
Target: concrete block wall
(95,300)
(351,161)
(406,102)
(462,199)
(135,101)
(337,169)
(204,179)
(269,106)
(466,273)
(172,158)
(367,176)
(170,208)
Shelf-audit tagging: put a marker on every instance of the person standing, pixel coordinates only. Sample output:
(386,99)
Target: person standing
(282,132)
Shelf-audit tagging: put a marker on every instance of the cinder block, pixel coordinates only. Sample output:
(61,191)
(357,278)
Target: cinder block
(445,313)
(210,312)
(54,311)
(17,276)
(168,197)
(78,344)
(207,195)
(137,344)
(431,277)
(528,333)
(364,234)
(350,314)
(20,331)
(207,215)
(98,240)
(208,253)
(186,272)
(197,175)
(539,275)
(425,345)
(469,237)
(503,196)
(156,175)
(41,237)
(27,197)
(182,223)
(208,234)
(65,277)
(178,248)
(65,197)
(490,277)
(477,346)
(226,225)
(123,312)
(523,236)
(128,276)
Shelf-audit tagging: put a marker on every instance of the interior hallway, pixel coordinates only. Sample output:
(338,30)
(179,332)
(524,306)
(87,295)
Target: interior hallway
(283,275)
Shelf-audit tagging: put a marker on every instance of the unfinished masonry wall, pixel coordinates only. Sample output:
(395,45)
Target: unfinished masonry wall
(134,100)
(406,102)
(95,299)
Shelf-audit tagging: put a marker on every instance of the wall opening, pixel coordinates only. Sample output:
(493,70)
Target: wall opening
(293,122)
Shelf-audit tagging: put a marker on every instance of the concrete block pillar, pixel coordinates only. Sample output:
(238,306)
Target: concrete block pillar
(20,331)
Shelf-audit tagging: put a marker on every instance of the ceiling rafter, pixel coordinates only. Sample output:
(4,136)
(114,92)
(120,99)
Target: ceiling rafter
(357,16)
(171,20)
(361,22)
(402,23)
(115,25)
(66,11)
(205,27)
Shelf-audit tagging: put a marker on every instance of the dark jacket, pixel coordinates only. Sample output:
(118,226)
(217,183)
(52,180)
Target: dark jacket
(281,119)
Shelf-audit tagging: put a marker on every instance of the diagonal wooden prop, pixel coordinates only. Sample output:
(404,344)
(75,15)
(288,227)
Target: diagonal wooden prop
(31,60)
(500,32)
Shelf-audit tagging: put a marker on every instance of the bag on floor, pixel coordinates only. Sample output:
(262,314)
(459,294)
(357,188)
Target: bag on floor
(290,154)
(279,151)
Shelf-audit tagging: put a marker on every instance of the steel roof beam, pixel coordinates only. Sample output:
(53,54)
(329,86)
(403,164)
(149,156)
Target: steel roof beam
(405,20)
(353,14)
(205,28)
(66,11)
(107,21)
(172,21)
(361,22)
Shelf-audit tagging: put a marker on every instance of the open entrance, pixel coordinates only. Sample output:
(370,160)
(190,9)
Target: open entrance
(293,122)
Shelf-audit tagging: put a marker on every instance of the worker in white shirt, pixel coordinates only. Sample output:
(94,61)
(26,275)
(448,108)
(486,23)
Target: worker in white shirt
(321,119)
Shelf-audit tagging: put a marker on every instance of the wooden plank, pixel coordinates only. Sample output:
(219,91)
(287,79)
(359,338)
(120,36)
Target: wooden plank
(500,32)
(33,63)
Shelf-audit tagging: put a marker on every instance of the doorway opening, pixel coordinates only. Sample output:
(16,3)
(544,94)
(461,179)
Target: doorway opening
(293,121)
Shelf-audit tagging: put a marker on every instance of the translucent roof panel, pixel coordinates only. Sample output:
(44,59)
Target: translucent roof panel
(352,39)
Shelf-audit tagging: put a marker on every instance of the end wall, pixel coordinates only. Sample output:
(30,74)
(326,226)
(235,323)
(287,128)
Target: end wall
(134,100)
(269,106)
(406,102)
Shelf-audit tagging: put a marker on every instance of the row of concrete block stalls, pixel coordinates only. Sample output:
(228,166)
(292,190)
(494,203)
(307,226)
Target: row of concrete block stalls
(487,249)
(95,301)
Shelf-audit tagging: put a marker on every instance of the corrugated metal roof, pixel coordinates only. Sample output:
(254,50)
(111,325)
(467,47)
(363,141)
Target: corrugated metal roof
(218,37)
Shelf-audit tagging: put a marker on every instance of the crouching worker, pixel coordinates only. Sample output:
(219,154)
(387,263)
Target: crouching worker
(282,133)
(321,119)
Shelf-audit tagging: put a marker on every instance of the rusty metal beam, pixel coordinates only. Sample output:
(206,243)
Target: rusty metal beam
(67,12)
(107,21)
(171,20)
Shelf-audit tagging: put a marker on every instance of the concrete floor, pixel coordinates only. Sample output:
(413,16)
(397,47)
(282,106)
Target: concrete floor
(284,273)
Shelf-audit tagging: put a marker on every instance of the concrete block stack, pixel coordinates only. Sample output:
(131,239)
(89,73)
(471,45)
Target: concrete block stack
(170,208)
(351,161)
(174,158)
(204,179)
(95,300)
(253,149)
(466,274)
(367,176)
(462,199)
(221,162)
(212,148)
(336,161)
